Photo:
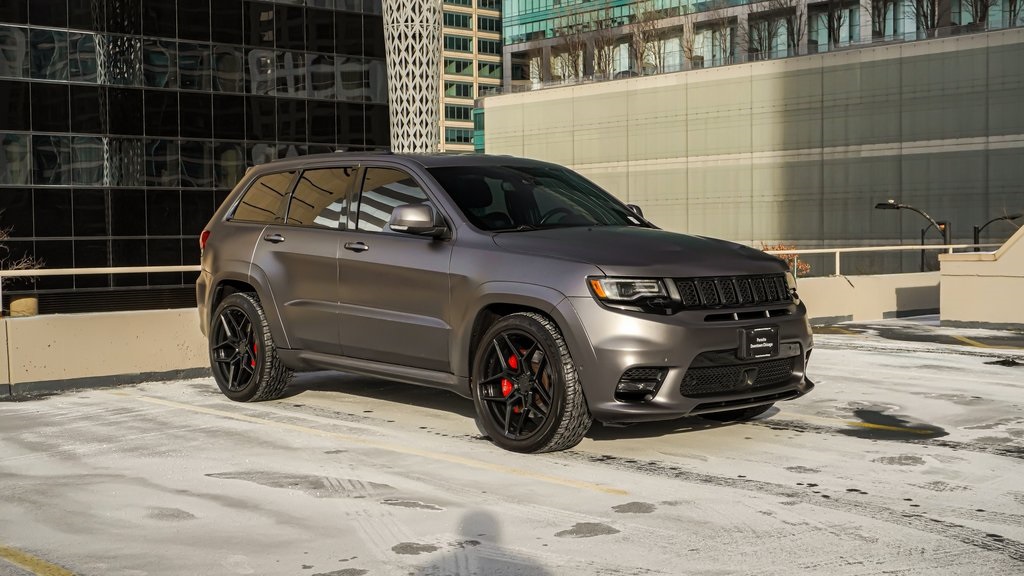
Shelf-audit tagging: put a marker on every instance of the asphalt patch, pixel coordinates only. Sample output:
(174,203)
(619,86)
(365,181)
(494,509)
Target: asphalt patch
(1008,362)
(413,549)
(587,530)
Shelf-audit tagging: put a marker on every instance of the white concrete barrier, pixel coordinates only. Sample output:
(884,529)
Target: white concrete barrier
(984,289)
(52,352)
(842,298)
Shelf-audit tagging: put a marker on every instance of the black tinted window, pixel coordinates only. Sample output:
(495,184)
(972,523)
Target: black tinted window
(383,190)
(264,200)
(530,197)
(320,197)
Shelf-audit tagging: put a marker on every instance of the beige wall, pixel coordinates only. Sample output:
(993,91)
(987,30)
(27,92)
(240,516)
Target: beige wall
(859,298)
(58,349)
(985,288)
(798,150)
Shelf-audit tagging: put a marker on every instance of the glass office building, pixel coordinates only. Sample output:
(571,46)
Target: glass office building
(126,122)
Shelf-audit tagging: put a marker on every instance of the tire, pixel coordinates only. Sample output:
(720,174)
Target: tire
(741,415)
(242,353)
(526,390)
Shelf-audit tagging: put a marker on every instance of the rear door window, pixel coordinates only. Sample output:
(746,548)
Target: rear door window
(383,190)
(321,197)
(264,201)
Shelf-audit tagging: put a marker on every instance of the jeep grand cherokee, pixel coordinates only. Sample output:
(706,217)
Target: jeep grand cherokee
(516,283)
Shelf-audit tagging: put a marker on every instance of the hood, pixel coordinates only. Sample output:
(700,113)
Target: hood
(643,252)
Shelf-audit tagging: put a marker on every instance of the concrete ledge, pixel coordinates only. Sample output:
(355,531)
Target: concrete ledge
(54,352)
(51,386)
(835,299)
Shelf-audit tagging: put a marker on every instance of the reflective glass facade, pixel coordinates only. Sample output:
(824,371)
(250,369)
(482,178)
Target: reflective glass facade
(127,121)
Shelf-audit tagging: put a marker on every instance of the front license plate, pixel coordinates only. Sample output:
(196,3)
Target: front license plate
(760,342)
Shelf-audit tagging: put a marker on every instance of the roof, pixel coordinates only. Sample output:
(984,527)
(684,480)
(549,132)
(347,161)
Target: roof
(425,160)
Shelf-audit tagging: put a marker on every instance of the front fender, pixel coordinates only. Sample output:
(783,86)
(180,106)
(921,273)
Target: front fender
(541,298)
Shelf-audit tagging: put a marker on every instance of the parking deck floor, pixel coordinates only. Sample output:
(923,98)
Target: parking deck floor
(906,459)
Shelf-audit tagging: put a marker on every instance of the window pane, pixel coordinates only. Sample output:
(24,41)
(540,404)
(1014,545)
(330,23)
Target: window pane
(87,161)
(121,60)
(49,54)
(194,19)
(196,164)
(82,60)
(229,164)
(159,63)
(14,57)
(320,197)
(228,117)
(264,200)
(14,101)
(321,77)
(51,160)
(162,166)
(227,21)
(194,66)
(319,31)
(125,163)
(228,69)
(87,109)
(260,71)
(159,19)
(14,159)
(124,17)
(383,190)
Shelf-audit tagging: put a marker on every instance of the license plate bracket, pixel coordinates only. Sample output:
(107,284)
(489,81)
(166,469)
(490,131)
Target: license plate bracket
(760,342)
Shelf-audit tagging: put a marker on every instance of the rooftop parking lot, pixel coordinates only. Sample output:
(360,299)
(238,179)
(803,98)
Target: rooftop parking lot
(906,459)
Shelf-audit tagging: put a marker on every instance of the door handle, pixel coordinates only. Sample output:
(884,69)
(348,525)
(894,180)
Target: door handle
(275,238)
(356,246)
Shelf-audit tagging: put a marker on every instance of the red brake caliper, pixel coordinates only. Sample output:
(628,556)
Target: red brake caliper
(506,384)
(253,362)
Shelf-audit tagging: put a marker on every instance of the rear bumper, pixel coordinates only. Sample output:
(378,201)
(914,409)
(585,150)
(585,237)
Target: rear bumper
(605,343)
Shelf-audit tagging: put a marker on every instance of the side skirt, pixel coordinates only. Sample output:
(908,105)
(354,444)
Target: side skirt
(304,361)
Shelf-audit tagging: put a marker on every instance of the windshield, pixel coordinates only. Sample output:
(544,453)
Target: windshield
(514,198)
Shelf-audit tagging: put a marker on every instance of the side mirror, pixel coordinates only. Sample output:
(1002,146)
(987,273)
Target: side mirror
(418,219)
(636,210)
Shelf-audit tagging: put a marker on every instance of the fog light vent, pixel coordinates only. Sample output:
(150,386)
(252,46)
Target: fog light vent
(639,384)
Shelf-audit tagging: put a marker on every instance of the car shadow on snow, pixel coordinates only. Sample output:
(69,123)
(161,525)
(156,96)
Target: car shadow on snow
(443,400)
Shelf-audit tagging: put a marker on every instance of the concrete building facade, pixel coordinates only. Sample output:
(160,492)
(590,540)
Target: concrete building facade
(799,150)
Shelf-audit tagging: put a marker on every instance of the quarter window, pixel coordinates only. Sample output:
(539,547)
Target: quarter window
(264,200)
(320,197)
(383,190)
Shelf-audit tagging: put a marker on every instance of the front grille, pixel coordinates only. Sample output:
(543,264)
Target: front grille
(733,291)
(715,380)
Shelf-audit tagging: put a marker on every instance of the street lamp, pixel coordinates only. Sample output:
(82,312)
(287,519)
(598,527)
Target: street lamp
(942,228)
(978,229)
(894,205)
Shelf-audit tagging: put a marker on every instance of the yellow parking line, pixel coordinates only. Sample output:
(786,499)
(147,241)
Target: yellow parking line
(975,343)
(967,340)
(890,428)
(36,566)
(388,446)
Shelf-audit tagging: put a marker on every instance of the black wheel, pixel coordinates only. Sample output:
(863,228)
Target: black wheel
(527,394)
(740,415)
(242,353)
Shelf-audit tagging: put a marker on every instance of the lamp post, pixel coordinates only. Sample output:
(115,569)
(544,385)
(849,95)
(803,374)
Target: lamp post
(943,228)
(978,229)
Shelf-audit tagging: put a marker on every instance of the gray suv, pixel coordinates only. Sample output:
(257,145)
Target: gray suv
(517,283)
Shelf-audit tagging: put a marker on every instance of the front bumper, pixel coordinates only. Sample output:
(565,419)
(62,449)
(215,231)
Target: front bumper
(606,343)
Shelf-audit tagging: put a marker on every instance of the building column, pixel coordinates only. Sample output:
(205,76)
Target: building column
(740,37)
(412,35)
(867,24)
(506,70)
(588,58)
(545,64)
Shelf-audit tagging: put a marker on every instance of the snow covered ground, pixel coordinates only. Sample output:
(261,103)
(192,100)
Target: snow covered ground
(908,458)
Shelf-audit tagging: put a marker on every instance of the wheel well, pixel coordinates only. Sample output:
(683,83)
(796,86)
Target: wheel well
(486,318)
(227,288)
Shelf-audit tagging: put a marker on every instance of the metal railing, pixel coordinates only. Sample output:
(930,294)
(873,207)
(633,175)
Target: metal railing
(838,252)
(36,273)
(680,60)
(795,253)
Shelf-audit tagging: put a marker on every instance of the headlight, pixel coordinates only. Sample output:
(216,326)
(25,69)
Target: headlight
(791,284)
(637,294)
